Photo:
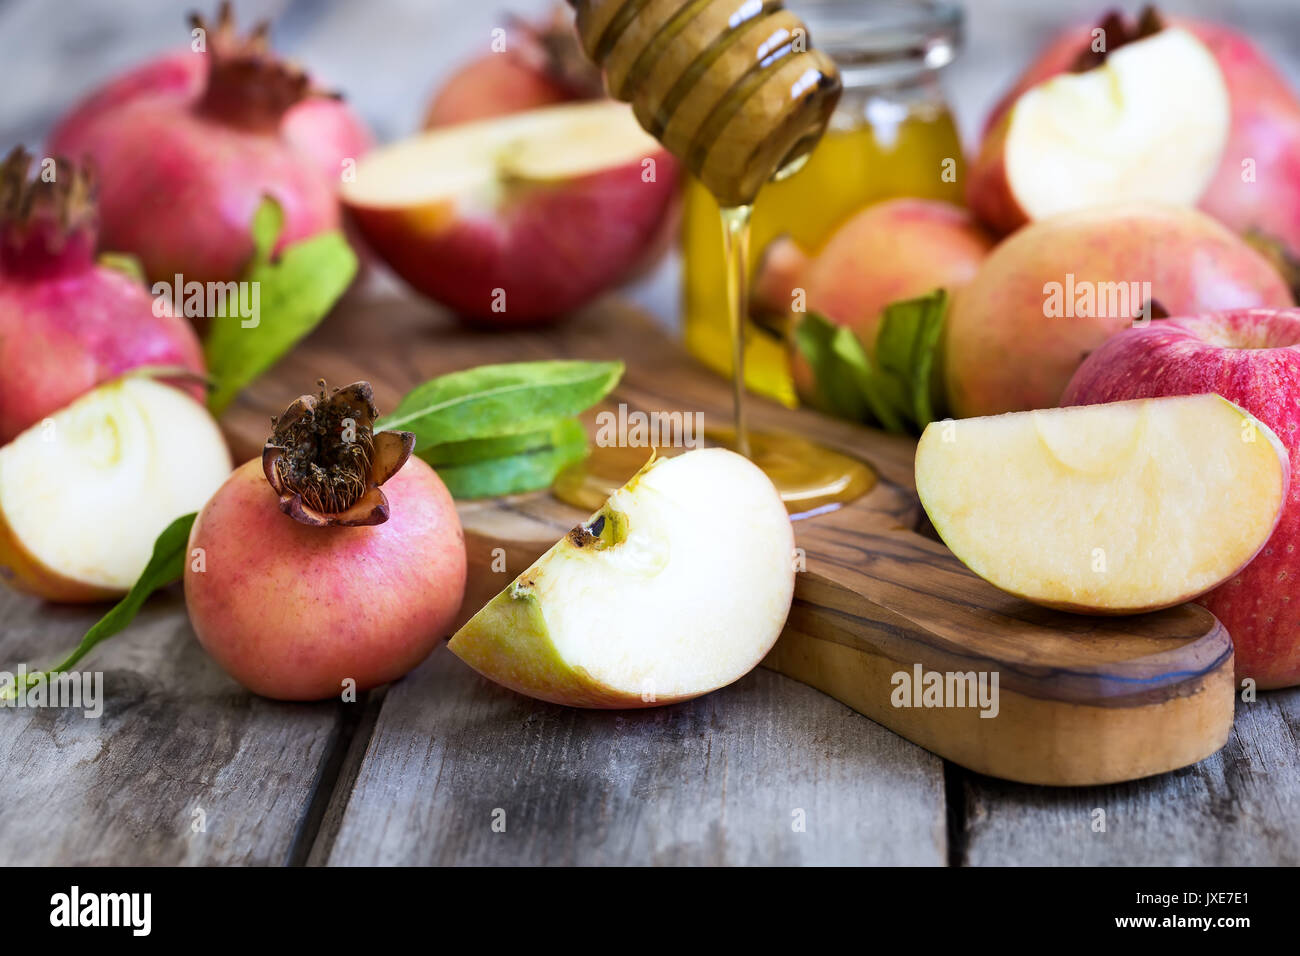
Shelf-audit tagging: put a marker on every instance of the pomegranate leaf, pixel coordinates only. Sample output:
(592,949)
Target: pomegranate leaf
(493,401)
(564,432)
(290,294)
(166,566)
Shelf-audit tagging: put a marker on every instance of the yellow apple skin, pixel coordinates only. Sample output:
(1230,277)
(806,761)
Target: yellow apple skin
(25,572)
(508,642)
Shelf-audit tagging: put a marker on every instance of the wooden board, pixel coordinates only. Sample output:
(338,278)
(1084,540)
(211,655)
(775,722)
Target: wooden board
(1081,700)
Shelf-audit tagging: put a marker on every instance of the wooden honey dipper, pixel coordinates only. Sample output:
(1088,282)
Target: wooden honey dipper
(732,88)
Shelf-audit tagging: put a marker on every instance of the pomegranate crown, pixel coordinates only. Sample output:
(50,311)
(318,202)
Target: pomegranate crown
(47,220)
(326,462)
(248,85)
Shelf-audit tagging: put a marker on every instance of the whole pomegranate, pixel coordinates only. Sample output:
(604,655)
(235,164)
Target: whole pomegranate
(308,575)
(68,324)
(188,146)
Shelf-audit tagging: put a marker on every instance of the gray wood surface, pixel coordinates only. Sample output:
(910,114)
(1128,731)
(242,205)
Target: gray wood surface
(723,779)
(176,736)
(1240,807)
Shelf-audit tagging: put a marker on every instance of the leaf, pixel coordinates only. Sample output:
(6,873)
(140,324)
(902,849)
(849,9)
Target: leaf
(899,389)
(293,294)
(493,401)
(123,262)
(815,338)
(480,449)
(166,566)
(905,348)
(514,474)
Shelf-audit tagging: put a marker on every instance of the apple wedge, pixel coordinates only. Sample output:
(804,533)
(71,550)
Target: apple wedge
(517,219)
(84,494)
(1105,509)
(1150,123)
(677,586)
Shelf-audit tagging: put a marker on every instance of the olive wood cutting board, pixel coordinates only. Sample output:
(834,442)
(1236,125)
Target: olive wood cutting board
(1081,700)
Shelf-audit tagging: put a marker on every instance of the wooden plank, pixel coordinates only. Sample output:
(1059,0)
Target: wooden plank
(718,780)
(1240,807)
(176,736)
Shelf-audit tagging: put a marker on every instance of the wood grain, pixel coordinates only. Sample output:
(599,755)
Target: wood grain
(720,780)
(176,736)
(1082,700)
(1240,807)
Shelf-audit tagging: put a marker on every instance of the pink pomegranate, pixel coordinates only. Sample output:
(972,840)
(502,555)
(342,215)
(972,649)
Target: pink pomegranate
(187,147)
(68,324)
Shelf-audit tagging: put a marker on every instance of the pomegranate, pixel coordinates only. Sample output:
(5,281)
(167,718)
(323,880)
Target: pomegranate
(68,324)
(540,65)
(188,145)
(308,574)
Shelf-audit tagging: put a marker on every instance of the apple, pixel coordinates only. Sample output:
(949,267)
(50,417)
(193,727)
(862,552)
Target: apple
(540,64)
(889,251)
(677,586)
(1149,122)
(1256,187)
(516,220)
(84,494)
(1251,357)
(1105,509)
(1057,289)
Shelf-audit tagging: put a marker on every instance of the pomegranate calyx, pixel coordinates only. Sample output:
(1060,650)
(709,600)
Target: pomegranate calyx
(326,462)
(1117,32)
(248,85)
(48,223)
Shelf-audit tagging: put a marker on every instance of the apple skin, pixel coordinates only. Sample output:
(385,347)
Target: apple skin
(86,329)
(493,85)
(291,611)
(25,572)
(890,251)
(552,247)
(1265,127)
(1250,357)
(1003,354)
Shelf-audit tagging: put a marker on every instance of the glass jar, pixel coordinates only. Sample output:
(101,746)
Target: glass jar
(891,135)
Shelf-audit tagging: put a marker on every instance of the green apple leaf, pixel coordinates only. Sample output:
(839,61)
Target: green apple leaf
(294,292)
(166,566)
(898,388)
(906,345)
(529,470)
(482,449)
(493,401)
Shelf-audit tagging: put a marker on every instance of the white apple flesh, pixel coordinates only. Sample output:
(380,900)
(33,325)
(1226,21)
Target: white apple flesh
(517,219)
(679,585)
(1149,124)
(84,494)
(1109,509)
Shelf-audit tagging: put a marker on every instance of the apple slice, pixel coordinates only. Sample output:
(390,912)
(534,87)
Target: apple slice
(84,494)
(519,218)
(1149,123)
(1107,509)
(677,586)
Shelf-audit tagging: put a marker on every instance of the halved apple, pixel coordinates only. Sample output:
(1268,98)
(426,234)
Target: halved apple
(1149,123)
(1108,509)
(679,585)
(84,494)
(520,218)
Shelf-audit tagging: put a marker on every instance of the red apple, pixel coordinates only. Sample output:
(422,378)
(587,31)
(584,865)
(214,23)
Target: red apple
(1057,289)
(890,251)
(1250,357)
(516,220)
(1263,197)
(1147,120)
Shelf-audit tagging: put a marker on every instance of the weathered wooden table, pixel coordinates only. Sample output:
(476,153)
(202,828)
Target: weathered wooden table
(184,766)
